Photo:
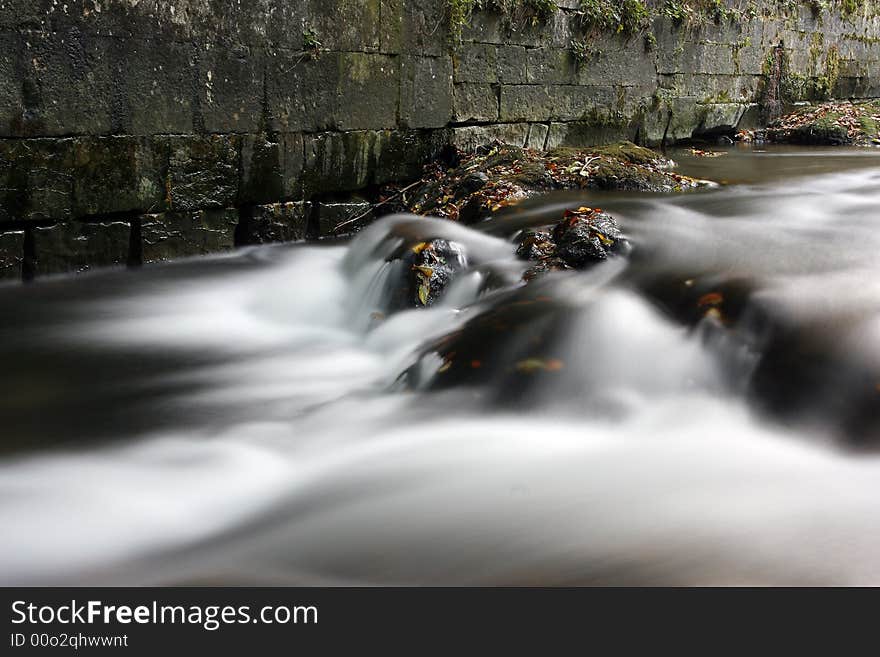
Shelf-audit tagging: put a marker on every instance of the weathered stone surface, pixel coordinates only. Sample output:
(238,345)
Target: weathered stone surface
(77,247)
(475,103)
(11,254)
(366,95)
(720,118)
(537,138)
(618,62)
(513,65)
(302,90)
(292,161)
(36,181)
(475,63)
(154,87)
(262,168)
(277,222)
(339,161)
(551,66)
(203,172)
(416,26)
(554,102)
(470,138)
(401,154)
(425,92)
(346,25)
(172,235)
(12,107)
(684,115)
(229,85)
(116,174)
(67,82)
(587,133)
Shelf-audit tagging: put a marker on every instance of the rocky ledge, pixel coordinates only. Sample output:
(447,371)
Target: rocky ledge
(502,175)
(837,123)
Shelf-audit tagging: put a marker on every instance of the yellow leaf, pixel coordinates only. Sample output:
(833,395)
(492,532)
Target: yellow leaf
(424,293)
(533,365)
(607,241)
(530,365)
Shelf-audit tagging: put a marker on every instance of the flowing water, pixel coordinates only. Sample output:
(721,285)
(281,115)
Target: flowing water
(704,412)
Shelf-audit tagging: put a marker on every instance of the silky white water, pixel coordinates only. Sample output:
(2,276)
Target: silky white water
(242,420)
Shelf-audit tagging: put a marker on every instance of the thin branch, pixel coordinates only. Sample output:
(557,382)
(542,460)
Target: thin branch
(377,205)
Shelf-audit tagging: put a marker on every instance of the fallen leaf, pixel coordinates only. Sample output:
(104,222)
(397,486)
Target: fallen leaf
(711,299)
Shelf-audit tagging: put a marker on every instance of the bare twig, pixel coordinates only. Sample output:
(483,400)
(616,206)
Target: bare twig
(377,205)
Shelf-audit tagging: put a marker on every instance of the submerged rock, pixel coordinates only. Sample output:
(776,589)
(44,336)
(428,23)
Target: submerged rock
(515,344)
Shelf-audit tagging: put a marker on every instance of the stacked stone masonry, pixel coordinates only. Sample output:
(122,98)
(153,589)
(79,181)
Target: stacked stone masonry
(142,130)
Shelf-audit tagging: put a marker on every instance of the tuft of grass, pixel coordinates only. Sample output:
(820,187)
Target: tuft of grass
(460,12)
(626,17)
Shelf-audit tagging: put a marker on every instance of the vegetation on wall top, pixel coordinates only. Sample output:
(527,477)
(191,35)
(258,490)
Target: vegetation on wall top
(630,17)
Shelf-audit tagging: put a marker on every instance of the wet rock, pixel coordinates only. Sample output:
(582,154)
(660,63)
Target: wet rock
(203,172)
(583,238)
(78,247)
(434,266)
(544,266)
(536,245)
(587,236)
(275,222)
(472,183)
(422,273)
(514,345)
(171,235)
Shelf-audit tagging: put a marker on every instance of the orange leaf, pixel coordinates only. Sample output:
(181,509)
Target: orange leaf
(711,299)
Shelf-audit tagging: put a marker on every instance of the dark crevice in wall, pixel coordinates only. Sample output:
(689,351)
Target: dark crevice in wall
(29,259)
(243,235)
(135,243)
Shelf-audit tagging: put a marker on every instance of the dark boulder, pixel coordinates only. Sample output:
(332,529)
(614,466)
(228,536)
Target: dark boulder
(434,266)
(587,236)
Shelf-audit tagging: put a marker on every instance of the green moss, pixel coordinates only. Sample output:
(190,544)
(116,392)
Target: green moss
(722,96)
(869,126)
(626,151)
(698,11)
(633,17)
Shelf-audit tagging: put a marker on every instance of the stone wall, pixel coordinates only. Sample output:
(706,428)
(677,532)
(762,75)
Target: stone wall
(139,130)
